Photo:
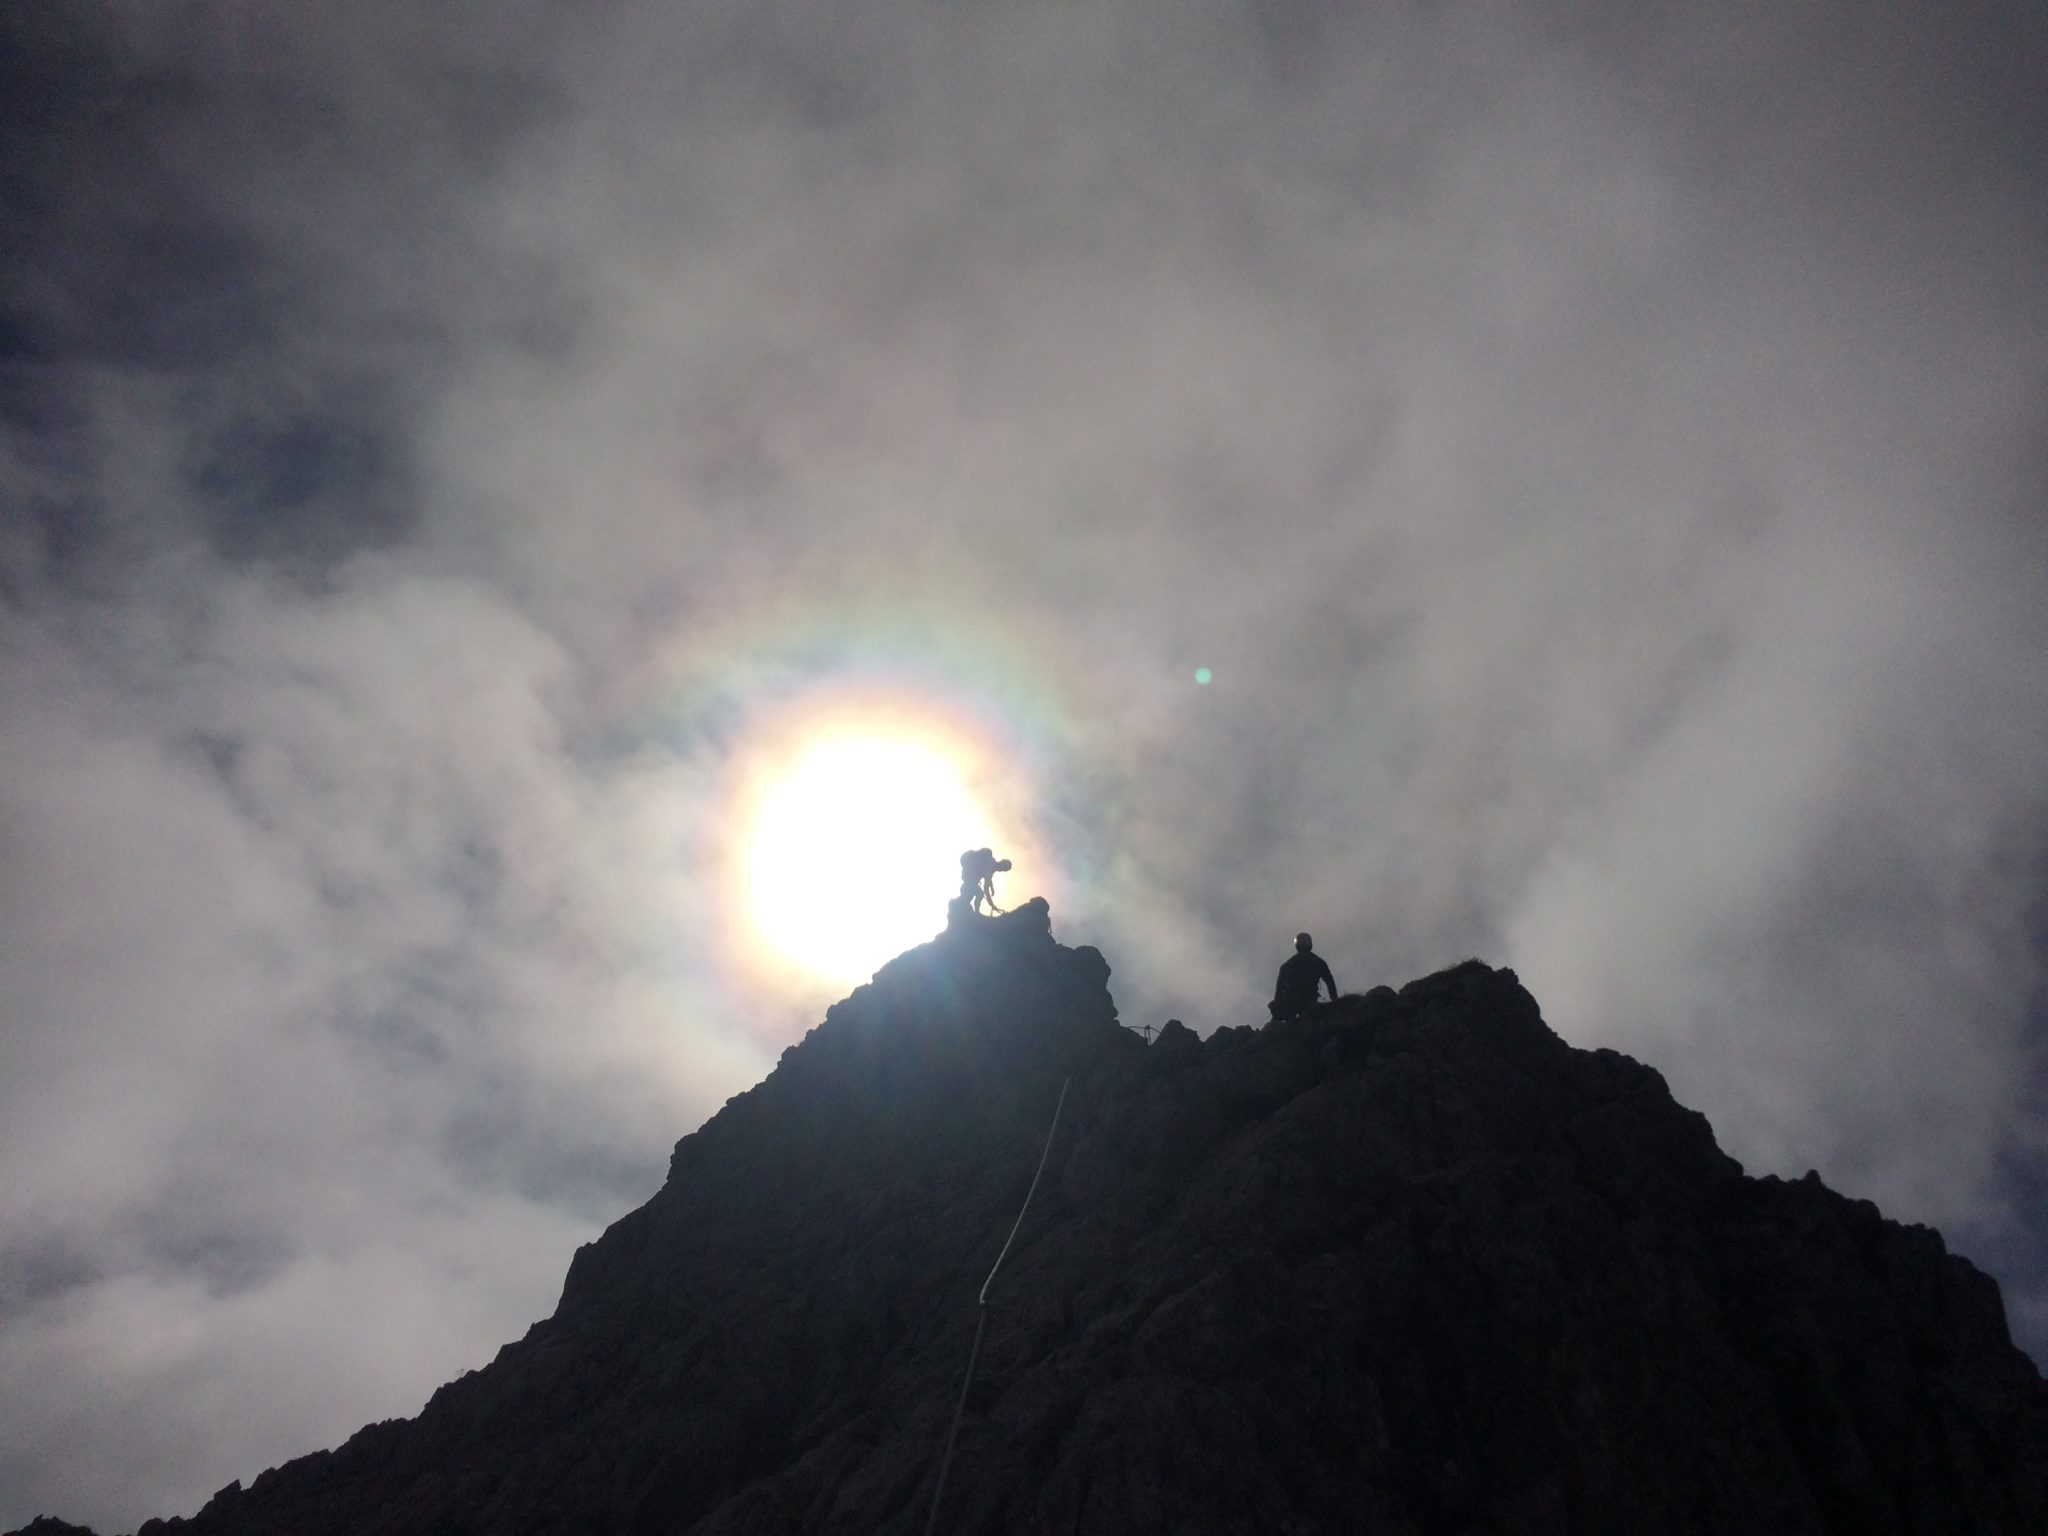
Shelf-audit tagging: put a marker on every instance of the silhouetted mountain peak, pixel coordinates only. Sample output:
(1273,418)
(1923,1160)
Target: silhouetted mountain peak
(1411,1263)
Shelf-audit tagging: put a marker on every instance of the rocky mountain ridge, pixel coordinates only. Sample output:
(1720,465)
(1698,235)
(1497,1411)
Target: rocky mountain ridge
(1412,1264)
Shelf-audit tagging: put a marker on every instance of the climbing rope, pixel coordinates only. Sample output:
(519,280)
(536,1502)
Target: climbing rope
(981,1313)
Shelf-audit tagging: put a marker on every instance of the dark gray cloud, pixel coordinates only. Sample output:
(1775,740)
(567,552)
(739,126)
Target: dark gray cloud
(1597,450)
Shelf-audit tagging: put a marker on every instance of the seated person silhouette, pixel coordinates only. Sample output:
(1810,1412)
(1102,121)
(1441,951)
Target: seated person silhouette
(978,870)
(1295,990)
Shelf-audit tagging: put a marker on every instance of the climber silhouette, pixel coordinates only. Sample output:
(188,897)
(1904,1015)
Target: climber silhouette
(978,870)
(1295,990)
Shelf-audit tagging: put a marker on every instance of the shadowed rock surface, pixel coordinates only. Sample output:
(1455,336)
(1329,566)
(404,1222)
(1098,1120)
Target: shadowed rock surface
(1409,1265)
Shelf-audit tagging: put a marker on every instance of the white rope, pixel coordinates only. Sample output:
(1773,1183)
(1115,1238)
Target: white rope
(981,1313)
(1042,1156)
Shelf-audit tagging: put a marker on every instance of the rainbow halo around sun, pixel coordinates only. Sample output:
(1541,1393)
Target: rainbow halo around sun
(854,848)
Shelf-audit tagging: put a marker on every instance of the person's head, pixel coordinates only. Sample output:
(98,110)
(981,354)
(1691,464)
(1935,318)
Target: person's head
(1303,943)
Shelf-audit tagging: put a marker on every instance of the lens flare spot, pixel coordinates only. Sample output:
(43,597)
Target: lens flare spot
(1202,675)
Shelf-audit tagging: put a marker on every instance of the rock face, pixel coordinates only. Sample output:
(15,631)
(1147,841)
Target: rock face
(1410,1265)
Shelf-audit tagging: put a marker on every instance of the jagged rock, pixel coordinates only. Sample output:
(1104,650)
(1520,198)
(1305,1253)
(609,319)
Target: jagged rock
(1411,1265)
(1176,1036)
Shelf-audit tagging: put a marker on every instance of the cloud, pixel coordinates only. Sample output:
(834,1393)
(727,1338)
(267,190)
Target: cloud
(1599,460)
(340,1015)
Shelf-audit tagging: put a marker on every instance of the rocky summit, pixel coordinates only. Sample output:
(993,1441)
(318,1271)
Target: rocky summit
(1411,1264)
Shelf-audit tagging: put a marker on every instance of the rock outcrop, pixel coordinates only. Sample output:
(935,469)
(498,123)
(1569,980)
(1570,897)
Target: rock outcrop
(1411,1265)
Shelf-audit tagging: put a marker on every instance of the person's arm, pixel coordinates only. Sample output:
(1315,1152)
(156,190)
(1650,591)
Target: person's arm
(1327,977)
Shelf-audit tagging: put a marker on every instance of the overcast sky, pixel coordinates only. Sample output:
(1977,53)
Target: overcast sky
(1600,451)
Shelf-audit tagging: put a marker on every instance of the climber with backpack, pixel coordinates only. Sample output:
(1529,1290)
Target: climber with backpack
(978,870)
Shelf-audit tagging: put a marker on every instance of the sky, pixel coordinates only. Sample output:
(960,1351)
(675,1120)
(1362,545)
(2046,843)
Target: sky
(450,453)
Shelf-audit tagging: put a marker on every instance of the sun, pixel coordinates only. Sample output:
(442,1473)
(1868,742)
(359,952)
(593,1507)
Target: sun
(854,850)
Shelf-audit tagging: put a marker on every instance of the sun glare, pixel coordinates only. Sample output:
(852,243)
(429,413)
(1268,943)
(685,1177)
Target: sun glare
(854,851)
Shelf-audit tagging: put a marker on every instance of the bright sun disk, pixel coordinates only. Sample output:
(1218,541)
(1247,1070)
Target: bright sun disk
(855,850)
